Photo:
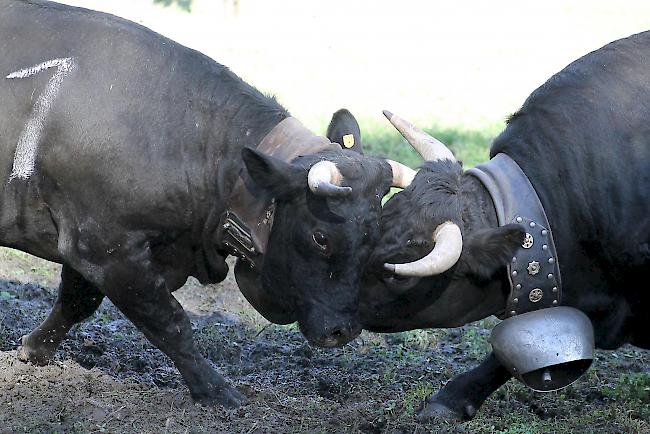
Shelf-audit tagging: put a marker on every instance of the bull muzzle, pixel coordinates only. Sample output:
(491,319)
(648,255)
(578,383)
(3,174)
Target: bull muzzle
(329,332)
(546,349)
(338,336)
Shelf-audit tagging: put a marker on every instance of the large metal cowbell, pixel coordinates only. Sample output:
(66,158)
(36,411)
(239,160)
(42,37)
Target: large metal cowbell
(546,349)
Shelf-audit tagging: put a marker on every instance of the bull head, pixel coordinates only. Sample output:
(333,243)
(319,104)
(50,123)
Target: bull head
(447,236)
(424,271)
(325,225)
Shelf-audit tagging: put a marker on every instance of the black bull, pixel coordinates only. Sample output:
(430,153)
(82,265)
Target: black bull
(583,140)
(119,152)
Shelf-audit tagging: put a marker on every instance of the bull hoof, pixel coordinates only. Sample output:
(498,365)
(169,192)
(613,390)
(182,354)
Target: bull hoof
(227,397)
(37,355)
(433,407)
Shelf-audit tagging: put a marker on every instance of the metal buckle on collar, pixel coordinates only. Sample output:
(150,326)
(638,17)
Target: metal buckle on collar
(235,237)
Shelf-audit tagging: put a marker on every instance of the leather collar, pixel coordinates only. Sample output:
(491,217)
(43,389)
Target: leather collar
(534,272)
(245,227)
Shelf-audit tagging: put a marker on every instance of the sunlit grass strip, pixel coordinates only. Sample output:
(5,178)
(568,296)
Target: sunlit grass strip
(470,144)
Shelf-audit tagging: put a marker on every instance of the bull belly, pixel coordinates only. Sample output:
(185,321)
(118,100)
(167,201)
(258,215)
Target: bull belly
(26,224)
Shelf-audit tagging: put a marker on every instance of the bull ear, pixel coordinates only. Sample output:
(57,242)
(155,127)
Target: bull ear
(272,176)
(344,130)
(486,251)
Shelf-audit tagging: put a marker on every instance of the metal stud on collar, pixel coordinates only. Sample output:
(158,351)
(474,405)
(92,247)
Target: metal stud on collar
(533,268)
(528,241)
(535,295)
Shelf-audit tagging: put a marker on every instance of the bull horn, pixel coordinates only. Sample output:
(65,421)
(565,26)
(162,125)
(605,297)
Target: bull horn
(325,179)
(446,251)
(402,175)
(428,147)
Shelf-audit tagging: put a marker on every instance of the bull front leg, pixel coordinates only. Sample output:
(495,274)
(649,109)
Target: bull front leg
(76,301)
(157,314)
(461,398)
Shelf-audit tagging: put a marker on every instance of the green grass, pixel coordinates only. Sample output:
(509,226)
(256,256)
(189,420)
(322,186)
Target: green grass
(633,388)
(22,266)
(469,144)
(184,5)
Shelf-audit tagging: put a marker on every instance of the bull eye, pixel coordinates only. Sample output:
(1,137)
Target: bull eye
(320,239)
(397,281)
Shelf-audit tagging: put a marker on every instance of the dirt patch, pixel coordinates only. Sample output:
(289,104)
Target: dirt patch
(108,378)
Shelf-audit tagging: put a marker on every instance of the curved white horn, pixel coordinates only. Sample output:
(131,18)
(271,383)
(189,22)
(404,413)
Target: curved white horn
(325,179)
(402,175)
(428,147)
(446,251)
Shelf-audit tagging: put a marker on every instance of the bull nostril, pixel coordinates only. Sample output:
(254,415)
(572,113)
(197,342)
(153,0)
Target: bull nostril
(336,336)
(341,334)
(337,333)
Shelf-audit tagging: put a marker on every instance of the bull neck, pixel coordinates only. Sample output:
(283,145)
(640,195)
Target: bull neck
(478,211)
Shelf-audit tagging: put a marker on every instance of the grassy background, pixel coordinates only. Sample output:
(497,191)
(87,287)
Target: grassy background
(454,68)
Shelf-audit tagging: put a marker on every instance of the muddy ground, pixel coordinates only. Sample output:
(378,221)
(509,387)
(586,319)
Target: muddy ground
(108,378)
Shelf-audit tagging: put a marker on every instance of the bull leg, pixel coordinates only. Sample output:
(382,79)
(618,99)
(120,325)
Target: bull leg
(465,393)
(163,321)
(77,300)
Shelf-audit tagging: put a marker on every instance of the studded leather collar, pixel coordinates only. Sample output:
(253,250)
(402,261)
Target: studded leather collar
(534,272)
